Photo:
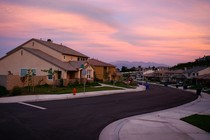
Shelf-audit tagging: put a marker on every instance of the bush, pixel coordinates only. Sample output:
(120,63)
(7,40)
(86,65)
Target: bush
(75,84)
(43,86)
(3,91)
(16,91)
(92,84)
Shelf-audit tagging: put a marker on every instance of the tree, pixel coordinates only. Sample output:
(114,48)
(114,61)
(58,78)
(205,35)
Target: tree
(133,69)
(124,69)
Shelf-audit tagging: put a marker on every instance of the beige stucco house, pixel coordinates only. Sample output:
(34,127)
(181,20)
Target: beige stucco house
(47,59)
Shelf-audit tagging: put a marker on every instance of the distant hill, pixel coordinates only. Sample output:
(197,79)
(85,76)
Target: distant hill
(128,64)
(204,61)
(191,64)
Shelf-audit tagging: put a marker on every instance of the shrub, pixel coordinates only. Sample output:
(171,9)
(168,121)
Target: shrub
(16,91)
(43,86)
(75,84)
(92,84)
(3,91)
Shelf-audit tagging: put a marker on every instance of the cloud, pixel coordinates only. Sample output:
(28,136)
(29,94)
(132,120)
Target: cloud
(154,30)
(82,8)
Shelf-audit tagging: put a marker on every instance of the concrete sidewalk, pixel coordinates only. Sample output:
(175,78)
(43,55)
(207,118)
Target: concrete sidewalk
(34,98)
(161,125)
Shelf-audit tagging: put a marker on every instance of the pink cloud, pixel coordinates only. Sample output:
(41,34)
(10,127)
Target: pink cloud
(160,31)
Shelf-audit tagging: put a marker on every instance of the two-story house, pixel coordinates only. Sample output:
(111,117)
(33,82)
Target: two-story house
(103,71)
(48,59)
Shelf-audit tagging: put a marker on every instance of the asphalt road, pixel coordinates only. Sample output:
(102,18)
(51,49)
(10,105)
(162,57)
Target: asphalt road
(84,118)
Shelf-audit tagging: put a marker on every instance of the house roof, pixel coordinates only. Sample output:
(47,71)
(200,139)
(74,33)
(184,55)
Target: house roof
(60,48)
(77,64)
(95,62)
(204,77)
(57,47)
(63,65)
(195,69)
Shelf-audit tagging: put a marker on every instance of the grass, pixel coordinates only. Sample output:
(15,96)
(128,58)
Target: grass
(121,84)
(63,90)
(201,121)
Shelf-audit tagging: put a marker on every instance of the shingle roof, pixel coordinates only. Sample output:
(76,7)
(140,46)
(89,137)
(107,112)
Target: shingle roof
(51,59)
(204,77)
(95,62)
(61,48)
(77,64)
(195,69)
(57,47)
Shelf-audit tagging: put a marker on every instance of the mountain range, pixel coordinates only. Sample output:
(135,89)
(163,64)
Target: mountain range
(128,64)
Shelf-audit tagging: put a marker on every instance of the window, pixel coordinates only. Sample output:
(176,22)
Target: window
(50,74)
(34,72)
(32,43)
(88,74)
(21,52)
(50,77)
(64,57)
(24,72)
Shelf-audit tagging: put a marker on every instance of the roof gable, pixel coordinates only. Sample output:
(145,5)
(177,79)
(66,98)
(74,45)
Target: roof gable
(195,69)
(95,62)
(50,59)
(60,48)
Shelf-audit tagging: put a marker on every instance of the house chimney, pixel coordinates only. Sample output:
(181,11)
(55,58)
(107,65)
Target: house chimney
(49,40)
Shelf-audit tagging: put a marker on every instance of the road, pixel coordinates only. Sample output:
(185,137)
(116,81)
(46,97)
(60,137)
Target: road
(84,118)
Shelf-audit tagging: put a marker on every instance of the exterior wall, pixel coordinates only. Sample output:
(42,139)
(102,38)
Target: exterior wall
(205,71)
(99,72)
(3,80)
(60,56)
(89,68)
(111,71)
(35,45)
(69,58)
(16,61)
(10,81)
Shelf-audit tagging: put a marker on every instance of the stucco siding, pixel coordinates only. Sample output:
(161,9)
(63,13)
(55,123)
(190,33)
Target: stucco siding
(23,59)
(69,58)
(99,72)
(36,45)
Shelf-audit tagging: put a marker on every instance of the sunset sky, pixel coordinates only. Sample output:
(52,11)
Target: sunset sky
(161,31)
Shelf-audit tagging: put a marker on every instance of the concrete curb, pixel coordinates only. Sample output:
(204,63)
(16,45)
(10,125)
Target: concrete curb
(165,124)
(36,98)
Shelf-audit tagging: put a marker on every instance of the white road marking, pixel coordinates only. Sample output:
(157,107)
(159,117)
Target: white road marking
(39,107)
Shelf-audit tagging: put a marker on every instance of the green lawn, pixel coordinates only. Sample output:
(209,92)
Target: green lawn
(123,85)
(201,121)
(63,90)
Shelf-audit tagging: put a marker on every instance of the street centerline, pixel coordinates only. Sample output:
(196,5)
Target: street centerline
(39,107)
